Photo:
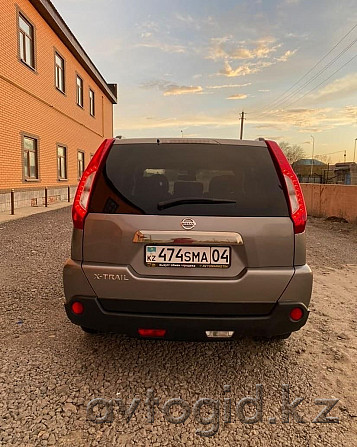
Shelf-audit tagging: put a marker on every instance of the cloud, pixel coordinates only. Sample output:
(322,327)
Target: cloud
(350,111)
(238,96)
(185,18)
(257,54)
(225,48)
(229,86)
(241,70)
(304,120)
(148,26)
(307,119)
(268,126)
(170,89)
(182,90)
(263,90)
(337,89)
(286,55)
(195,22)
(165,47)
(180,122)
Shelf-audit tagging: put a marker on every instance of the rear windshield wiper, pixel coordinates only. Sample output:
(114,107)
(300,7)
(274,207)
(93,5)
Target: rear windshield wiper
(189,200)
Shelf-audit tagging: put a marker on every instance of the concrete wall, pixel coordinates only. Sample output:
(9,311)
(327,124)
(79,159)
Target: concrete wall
(331,200)
(34,197)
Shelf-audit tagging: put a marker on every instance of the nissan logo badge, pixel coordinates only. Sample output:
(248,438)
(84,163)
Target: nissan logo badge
(187,223)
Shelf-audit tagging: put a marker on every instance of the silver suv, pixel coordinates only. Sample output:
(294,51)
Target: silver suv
(192,239)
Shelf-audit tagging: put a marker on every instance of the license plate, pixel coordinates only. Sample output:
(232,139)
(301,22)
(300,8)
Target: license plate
(187,256)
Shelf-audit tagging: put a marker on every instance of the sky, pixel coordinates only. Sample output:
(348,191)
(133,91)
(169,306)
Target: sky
(190,67)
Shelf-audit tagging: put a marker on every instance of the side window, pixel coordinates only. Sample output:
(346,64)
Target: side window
(59,73)
(91,103)
(30,148)
(26,41)
(80,163)
(79,90)
(62,162)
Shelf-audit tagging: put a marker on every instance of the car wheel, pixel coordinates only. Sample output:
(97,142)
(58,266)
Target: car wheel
(88,330)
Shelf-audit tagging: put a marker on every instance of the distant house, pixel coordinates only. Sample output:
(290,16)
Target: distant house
(346,173)
(302,169)
(342,173)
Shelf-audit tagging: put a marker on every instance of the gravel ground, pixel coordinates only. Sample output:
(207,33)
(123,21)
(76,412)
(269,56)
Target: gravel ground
(50,370)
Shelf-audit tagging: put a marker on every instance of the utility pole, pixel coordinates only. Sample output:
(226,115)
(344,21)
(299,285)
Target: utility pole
(354,151)
(241,124)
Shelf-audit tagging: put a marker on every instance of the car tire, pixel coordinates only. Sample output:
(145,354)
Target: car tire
(89,330)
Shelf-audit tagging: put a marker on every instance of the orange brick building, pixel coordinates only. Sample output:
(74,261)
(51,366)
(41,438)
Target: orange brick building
(55,106)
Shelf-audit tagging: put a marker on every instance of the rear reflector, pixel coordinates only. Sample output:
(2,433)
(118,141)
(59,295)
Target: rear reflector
(85,186)
(296,314)
(292,187)
(152,332)
(77,308)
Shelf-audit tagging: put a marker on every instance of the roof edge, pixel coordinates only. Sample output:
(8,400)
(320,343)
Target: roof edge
(52,17)
(217,141)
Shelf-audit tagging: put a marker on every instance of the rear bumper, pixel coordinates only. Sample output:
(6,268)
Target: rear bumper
(187,327)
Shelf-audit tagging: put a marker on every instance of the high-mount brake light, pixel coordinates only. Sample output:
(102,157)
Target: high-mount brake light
(81,199)
(292,187)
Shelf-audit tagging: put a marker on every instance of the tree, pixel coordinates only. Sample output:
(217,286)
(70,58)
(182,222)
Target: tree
(293,152)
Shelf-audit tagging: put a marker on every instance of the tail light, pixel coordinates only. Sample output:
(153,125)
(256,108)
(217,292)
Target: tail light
(292,187)
(85,186)
(296,314)
(77,308)
(152,332)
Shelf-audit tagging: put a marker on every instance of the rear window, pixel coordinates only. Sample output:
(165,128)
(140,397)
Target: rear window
(189,179)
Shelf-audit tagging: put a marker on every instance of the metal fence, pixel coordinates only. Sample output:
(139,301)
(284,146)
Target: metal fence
(13,199)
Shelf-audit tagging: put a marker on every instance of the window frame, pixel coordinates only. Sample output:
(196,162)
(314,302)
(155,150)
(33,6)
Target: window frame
(79,92)
(91,102)
(57,53)
(21,36)
(59,177)
(35,138)
(79,175)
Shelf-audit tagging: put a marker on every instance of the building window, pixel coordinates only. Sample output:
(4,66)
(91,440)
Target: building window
(80,163)
(62,162)
(59,72)
(79,91)
(30,158)
(26,39)
(91,103)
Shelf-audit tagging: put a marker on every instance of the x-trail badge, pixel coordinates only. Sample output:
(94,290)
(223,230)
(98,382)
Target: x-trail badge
(187,223)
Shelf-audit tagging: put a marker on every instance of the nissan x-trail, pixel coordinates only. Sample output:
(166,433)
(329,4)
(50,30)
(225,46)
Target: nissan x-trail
(188,239)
